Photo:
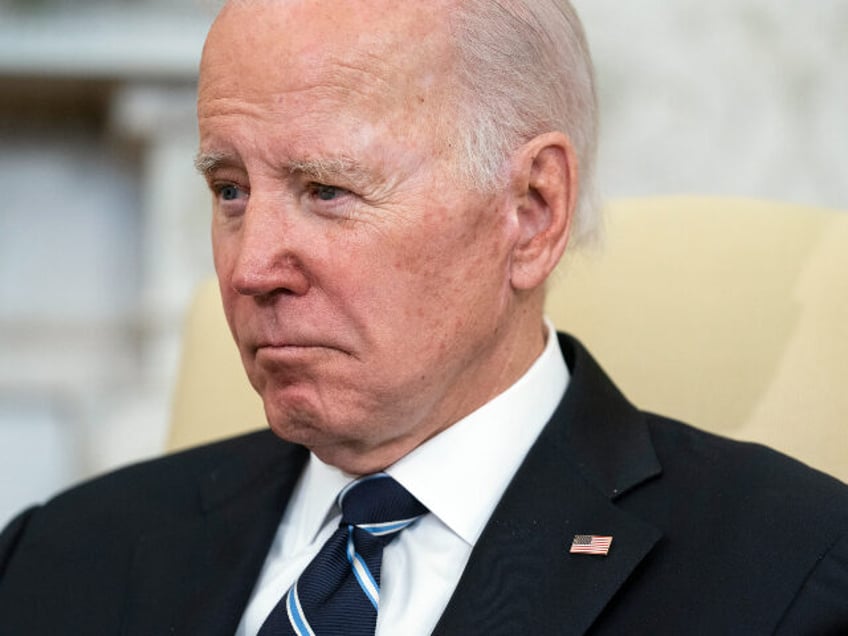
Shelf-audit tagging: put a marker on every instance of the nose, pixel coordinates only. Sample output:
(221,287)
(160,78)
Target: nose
(268,258)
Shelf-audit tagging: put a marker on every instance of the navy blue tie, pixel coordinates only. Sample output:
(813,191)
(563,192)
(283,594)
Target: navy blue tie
(339,591)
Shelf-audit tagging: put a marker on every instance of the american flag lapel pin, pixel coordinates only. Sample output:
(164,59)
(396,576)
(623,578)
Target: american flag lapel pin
(590,544)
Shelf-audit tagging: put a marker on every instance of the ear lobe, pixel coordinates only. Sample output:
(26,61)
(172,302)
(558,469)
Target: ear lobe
(547,196)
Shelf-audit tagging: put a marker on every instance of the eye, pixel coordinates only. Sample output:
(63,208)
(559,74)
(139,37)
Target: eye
(328,200)
(230,200)
(324,192)
(228,192)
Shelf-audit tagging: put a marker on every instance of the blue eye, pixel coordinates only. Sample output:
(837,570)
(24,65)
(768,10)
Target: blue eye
(229,193)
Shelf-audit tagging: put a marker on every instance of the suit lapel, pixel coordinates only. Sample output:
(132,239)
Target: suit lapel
(196,576)
(520,576)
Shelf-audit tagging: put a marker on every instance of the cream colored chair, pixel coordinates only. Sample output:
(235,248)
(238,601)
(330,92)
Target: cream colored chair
(729,314)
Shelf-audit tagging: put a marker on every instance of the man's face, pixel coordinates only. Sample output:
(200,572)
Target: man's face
(367,292)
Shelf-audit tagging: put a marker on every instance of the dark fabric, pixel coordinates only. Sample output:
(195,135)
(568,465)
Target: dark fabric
(711,536)
(328,592)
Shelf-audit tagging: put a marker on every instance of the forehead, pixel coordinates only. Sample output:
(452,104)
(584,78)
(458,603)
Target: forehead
(381,49)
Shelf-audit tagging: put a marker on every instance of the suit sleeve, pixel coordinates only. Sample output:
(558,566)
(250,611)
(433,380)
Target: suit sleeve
(821,606)
(11,536)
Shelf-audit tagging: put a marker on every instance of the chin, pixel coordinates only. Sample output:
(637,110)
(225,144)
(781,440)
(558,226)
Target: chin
(344,445)
(301,423)
(295,424)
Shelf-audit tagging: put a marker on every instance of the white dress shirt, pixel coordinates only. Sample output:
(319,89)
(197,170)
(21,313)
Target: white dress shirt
(459,475)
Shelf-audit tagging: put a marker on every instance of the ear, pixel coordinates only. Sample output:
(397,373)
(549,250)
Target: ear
(545,184)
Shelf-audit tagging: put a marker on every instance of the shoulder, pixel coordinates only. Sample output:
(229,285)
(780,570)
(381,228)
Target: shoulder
(175,477)
(748,490)
(753,474)
(124,502)
(74,559)
(705,468)
(748,516)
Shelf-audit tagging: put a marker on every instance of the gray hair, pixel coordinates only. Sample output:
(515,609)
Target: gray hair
(524,69)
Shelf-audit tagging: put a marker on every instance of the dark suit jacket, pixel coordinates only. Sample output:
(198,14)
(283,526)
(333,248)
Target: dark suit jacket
(710,537)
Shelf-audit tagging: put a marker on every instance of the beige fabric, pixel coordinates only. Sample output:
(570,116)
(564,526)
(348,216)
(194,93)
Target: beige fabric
(729,314)
(213,398)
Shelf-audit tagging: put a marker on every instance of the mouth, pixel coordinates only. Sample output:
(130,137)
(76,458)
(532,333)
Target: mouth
(293,350)
(289,346)
(292,346)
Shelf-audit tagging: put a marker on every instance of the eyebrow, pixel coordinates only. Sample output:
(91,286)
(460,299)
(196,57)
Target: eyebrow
(322,169)
(206,162)
(327,169)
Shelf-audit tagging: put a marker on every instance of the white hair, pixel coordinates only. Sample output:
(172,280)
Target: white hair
(524,69)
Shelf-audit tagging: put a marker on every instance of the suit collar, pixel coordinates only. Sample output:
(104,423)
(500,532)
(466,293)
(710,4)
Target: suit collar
(605,436)
(520,576)
(208,561)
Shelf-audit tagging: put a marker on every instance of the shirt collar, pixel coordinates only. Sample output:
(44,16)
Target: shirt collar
(462,473)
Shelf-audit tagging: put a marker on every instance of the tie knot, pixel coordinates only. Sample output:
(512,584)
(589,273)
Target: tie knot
(339,591)
(378,504)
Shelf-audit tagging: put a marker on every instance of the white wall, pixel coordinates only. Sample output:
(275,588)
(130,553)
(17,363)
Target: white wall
(730,97)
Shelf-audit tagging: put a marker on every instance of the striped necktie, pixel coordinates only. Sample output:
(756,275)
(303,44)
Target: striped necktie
(339,591)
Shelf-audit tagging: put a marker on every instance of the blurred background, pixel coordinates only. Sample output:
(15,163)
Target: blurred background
(104,224)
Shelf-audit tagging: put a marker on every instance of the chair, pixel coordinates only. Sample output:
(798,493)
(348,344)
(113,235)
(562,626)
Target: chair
(729,314)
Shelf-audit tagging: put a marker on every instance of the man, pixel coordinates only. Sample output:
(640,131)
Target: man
(393,183)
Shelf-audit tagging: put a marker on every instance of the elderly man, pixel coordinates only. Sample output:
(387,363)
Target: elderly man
(393,183)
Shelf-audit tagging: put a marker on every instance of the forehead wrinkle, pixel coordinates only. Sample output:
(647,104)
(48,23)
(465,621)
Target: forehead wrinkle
(361,79)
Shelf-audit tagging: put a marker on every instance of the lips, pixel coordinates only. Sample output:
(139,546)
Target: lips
(279,338)
(289,347)
(294,348)
(287,342)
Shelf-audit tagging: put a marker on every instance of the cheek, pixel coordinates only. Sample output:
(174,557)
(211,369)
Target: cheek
(445,277)
(223,262)
(220,252)
(456,254)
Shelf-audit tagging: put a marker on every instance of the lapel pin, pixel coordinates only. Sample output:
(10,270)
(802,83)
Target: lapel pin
(590,544)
